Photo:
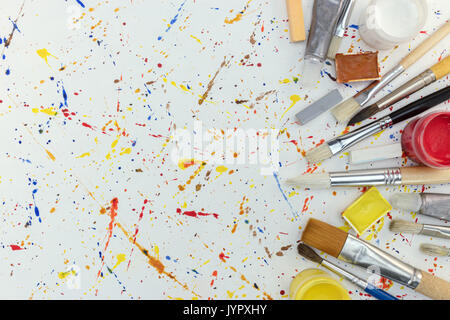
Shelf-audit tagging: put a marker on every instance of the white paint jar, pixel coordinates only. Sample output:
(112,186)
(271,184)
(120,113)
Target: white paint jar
(386,23)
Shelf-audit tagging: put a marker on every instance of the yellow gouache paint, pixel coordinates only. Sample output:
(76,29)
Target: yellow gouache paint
(315,284)
(367,210)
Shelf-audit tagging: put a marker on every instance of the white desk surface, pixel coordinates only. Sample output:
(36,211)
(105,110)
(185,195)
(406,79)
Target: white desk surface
(91,128)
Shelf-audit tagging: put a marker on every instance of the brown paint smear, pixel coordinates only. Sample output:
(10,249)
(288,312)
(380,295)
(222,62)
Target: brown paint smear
(211,82)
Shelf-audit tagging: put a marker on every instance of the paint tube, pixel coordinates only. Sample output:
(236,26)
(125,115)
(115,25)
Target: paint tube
(324,17)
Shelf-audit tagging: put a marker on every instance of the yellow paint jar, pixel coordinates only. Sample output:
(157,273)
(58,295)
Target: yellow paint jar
(315,284)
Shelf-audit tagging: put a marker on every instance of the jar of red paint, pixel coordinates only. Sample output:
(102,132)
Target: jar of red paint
(426,140)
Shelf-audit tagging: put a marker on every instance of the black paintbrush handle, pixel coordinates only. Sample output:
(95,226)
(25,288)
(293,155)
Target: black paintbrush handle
(421,105)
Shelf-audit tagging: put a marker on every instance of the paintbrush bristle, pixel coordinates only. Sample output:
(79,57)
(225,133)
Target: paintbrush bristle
(334,47)
(344,110)
(309,253)
(324,237)
(318,154)
(312,181)
(364,114)
(434,250)
(398,226)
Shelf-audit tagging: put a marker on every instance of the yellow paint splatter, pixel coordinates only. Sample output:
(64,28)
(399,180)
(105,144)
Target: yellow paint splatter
(221,169)
(294,98)
(48,111)
(86,154)
(196,39)
(63,275)
(44,54)
(120,258)
(125,151)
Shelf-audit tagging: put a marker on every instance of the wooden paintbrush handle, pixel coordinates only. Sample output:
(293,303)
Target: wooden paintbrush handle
(426,45)
(441,68)
(434,287)
(424,175)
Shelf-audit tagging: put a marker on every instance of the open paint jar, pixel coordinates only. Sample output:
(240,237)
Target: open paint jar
(426,140)
(386,23)
(315,284)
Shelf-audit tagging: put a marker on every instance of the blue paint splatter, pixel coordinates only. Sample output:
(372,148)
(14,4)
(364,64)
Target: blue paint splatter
(174,19)
(36,209)
(8,72)
(284,196)
(354,26)
(14,25)
(81,3)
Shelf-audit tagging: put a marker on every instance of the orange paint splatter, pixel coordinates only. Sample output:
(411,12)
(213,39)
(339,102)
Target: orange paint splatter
(50,155)
(154,262)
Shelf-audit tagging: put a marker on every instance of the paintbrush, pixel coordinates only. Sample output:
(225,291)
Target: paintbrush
(434,250)
(435,205)
(427,77)
(343,142)
(344,111)
(373,177)
(377,293)
(347,247)
(341,25)
(402,226)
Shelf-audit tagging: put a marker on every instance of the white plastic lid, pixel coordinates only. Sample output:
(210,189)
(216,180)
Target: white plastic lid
(386,23)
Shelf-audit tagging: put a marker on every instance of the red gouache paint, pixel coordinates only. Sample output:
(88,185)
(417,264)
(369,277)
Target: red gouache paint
(426,140)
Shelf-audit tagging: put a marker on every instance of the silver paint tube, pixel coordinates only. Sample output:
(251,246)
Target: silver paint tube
(324,17)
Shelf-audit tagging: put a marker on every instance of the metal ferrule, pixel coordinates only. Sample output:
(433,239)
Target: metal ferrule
(343,19)
(413,85)
(364,97)
(436,205)
(347,140)
(436,231)
(347,275)
(367,255)
(371,177)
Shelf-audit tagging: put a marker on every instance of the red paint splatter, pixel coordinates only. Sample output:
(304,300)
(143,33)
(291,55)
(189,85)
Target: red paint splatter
(84,124)
(195,214)
(306,204)
(112,214)
(214,274)
(136,230)
(385,283)
(15,247)
(222,257)
(159,65)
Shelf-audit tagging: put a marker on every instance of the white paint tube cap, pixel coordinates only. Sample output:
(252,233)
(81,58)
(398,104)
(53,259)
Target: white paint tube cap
(379,153)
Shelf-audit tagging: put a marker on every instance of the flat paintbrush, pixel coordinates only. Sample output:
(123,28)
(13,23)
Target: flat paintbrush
(372,177)
(341,25)
(427,77)
(344,111)
(343,142)
(349,248)
(402,226)
(310,254)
